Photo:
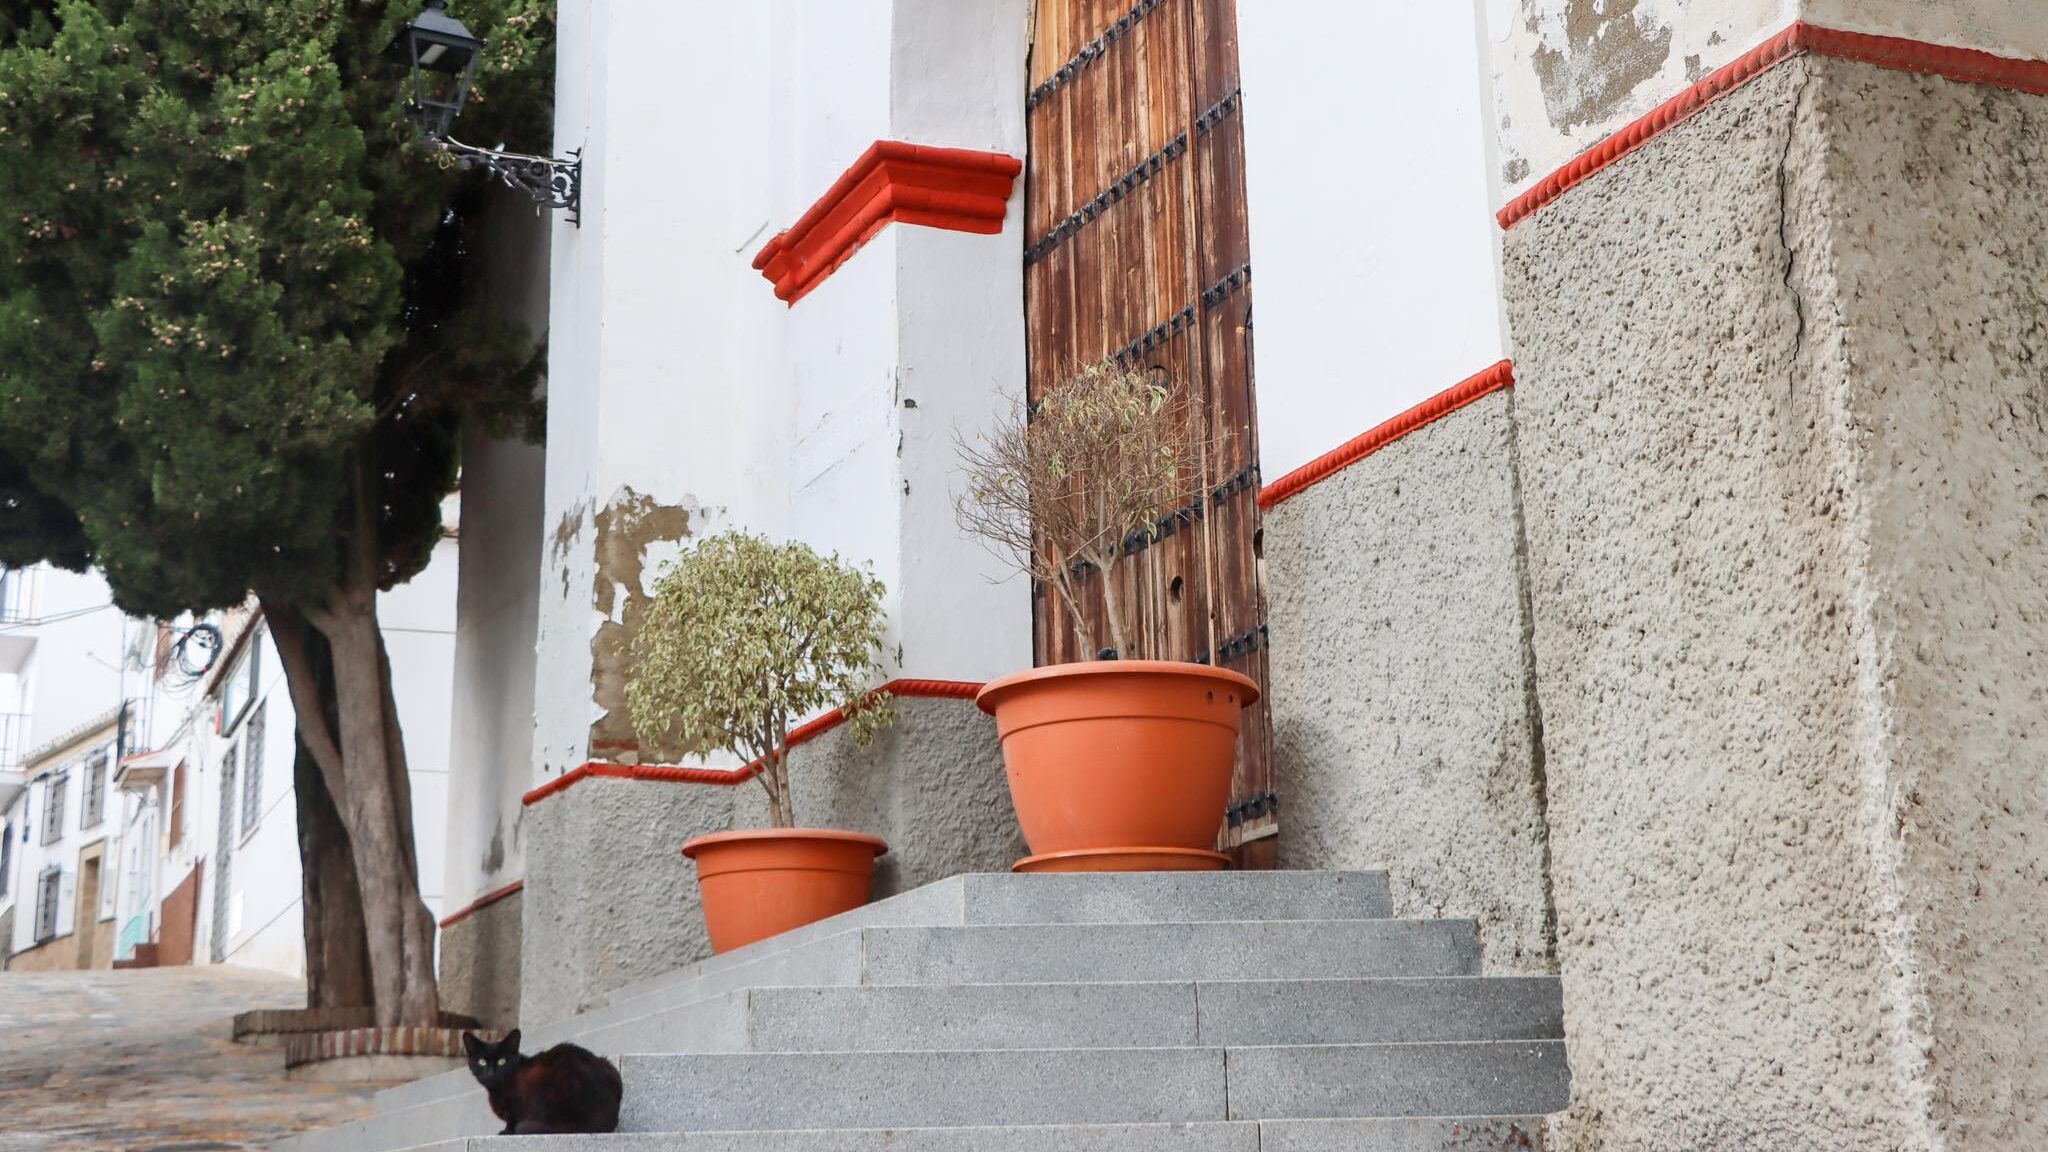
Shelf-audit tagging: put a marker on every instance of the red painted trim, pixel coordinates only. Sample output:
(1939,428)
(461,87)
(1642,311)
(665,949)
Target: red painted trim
(1968,65)
(892,182)
(671,774)
(480,903)
(1501,375)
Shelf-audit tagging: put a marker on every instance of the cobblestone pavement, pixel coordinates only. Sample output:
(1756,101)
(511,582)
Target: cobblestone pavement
(141,1061)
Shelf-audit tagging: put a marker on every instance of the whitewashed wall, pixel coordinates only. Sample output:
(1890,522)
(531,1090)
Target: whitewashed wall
(67,669)
(32,856)
(1371,211)
(675,373)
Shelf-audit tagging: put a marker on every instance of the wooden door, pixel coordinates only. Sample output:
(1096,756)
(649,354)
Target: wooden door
(1136,247)
(87,918)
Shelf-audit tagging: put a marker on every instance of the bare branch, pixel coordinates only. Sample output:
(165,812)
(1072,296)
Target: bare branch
(1108,456)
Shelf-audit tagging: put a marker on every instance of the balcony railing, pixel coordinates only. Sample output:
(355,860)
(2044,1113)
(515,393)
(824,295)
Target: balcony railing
(17,596)
(13,740)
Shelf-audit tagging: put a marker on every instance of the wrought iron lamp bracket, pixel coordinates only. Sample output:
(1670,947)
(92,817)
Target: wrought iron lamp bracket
(550,181)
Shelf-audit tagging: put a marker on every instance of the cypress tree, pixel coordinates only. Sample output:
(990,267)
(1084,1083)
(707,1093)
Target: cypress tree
(240,330)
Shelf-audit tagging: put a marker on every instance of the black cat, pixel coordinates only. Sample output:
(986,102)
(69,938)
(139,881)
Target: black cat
(564,1089)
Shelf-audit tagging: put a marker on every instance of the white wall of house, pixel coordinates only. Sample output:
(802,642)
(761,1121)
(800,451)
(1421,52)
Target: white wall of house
(1371,198)
(61,665)
(62,644)
(67,773)
(676,374)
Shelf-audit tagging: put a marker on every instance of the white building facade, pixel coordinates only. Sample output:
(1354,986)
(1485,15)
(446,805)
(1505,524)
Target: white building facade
(1649,525)
(173,811)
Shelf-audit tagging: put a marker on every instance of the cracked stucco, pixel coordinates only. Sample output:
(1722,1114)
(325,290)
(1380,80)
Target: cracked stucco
(1781,418)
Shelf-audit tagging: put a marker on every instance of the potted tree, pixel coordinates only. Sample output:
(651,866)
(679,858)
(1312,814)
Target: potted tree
(744,638)
(1119,764)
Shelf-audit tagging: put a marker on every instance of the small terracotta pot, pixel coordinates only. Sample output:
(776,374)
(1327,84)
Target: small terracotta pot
(763,882)
(1120,765)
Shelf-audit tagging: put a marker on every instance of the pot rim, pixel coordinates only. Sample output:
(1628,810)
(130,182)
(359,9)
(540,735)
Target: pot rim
(1045,858)
(743,835)
(986,699)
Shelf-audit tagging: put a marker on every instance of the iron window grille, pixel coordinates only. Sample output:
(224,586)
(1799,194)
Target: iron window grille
(47,886)
(252,769)
(53,807)
(93,809)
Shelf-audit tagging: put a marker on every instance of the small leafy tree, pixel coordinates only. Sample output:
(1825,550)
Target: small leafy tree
(743,637)
(1105,457)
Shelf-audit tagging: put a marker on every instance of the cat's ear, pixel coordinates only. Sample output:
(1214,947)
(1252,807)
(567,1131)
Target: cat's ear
(511,1041)
(471,1044)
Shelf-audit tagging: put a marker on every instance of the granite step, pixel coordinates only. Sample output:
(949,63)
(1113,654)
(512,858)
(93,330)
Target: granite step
(1428,970)
(753,1091)
(1059,1012)
(1477,1134)
(1033,1087)
(1080,898)
(1132,1015)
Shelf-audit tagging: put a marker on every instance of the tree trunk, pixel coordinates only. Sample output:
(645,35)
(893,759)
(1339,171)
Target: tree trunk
(349,724)
(337,962)
(377,809)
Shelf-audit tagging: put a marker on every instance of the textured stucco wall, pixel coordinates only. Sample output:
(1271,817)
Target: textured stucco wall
(1940,193)
(1404,732)
(1782,444)
(931,784)
(609,898)
(480,963)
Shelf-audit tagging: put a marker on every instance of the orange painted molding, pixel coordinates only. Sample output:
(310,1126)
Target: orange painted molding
(1499,376)
(480,903)
(892,182)
(1968,65)
(673,774)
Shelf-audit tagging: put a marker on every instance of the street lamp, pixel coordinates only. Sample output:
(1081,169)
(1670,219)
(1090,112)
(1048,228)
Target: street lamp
(442,54)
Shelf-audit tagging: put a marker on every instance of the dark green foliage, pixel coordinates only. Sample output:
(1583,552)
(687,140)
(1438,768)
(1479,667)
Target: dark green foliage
(230,291)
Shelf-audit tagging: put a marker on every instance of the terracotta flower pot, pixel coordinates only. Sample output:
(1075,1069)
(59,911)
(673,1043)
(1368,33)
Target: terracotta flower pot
(1120,765)
(763,882)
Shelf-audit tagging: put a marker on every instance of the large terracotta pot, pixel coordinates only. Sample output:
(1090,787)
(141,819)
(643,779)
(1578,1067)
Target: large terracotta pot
(764,882)
(1120,765)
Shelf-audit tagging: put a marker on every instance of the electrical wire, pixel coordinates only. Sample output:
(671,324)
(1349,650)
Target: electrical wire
(39,621)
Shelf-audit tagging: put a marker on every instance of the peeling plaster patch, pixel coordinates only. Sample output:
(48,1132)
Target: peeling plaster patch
(567,532)
(1592,56)
(628,528)
(1515,170)
(1693,68)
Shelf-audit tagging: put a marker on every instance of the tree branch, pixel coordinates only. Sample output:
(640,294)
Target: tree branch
(302,681)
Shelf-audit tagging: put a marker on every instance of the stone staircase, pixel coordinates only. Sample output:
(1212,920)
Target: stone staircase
(1268,1011)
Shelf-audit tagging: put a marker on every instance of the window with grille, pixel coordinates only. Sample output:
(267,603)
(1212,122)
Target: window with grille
(252,769)
(239,688)
(53,807)
(93,808)
(47,889)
